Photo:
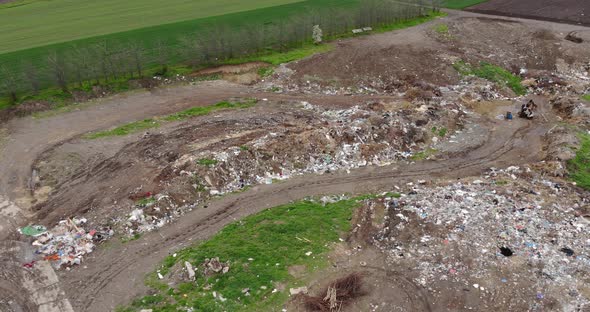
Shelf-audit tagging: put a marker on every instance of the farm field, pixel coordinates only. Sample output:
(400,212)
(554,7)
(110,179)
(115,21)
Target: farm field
(438,167)
(570,11)
(168,30)
(49,22)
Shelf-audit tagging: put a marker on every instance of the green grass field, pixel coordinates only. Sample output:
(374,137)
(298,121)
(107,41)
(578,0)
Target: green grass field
(21,44)
(86,27)
(42,23)
(260,249)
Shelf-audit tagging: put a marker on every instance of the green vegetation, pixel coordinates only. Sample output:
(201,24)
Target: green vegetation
(423,154)
(276,57)
(579,167)
(492,73)
(145,201)
(266,71)
(207,162)
(133,237)
(407,23)
(440,132)
(41,23)
(261,34)
(260,250)
(442,29)
(461,4)
(156,122)
(586,97)
(205,110)
(125,129)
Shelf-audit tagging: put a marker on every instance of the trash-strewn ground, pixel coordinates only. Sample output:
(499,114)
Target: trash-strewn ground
(377,112)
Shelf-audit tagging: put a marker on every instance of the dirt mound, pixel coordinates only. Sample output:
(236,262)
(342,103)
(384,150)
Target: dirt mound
(230,153)
(423,57)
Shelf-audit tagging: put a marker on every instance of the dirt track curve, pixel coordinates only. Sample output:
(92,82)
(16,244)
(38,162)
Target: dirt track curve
(114,276)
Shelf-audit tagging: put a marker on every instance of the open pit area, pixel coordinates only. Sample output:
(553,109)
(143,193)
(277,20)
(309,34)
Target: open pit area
(453,207)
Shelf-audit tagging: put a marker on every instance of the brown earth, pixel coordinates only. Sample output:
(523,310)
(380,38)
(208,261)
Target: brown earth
(563,11)
(114,274)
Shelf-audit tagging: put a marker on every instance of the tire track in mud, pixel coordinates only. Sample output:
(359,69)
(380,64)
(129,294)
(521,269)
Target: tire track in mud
(498,147)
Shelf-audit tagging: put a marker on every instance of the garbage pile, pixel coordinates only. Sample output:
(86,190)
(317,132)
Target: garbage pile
(309,139)
(509,226)
(333,140)
(67,243)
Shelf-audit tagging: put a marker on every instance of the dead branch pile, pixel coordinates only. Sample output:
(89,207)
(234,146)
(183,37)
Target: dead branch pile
(338,294)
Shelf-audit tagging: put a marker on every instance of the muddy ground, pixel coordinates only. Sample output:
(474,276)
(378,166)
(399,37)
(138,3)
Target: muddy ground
(363,118)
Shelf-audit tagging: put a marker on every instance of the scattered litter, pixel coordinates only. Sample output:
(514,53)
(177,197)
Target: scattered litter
(297,291)
(213,265)
(66,243)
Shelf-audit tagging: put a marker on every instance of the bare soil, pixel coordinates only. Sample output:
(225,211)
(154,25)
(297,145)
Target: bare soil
(563,11)
(95,178)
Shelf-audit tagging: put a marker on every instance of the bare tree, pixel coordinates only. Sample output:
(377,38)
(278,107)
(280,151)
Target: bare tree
(137,53)
(9,84)
(58,69)
(162,55)
(31,74)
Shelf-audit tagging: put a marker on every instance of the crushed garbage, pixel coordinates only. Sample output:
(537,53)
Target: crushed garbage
(67,243)
(512,220)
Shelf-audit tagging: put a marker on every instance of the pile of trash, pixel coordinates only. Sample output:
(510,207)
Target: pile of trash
(67,243)
(335,140)
(303,141)
(509,226)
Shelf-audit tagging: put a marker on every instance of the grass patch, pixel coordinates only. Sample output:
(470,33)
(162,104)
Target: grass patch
(586,97)
(205,110)
(461,4)
(579,167)
(133,237)
(266,71)
(207,162)
(440,132)
(156,122)
(125,129)
(492,73)
(274,240)
(410,22)
(145,201)
(442,29)
(423,154)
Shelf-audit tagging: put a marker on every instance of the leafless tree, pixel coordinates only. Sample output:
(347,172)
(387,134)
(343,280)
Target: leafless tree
(32,75)
(161,53)
(57,66)
(9,84)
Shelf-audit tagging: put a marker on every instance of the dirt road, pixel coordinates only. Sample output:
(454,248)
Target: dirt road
(116,275)
(29,137)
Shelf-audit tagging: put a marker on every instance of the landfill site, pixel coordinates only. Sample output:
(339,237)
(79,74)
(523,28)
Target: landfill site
(472,203)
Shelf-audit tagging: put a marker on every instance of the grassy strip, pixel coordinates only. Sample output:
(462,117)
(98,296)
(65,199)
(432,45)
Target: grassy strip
(579,167)
(410,22)
(156,122)
(277,58)
(260,249)
(461,4)
(492,73)
(586,97)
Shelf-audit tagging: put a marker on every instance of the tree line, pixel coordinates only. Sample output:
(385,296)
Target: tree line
(102,62)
